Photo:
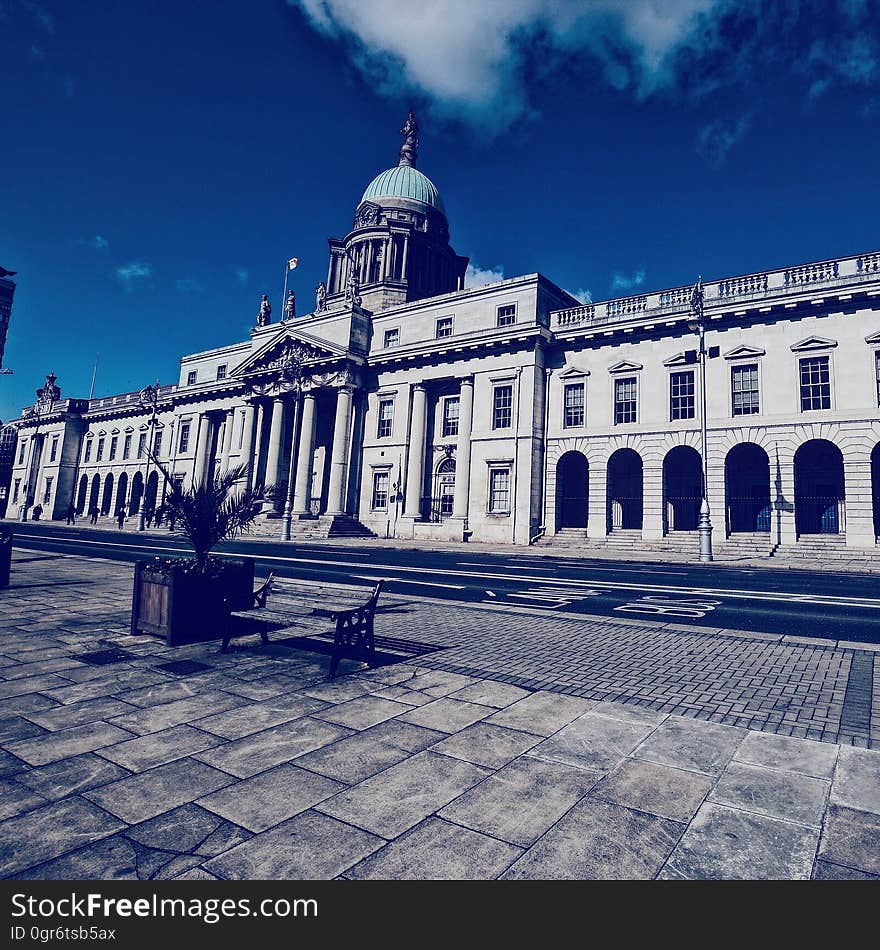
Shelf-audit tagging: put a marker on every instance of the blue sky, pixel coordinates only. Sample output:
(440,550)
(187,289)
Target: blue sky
(161,161)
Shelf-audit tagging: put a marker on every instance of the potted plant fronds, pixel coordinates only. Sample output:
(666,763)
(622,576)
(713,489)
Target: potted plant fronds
(189,599)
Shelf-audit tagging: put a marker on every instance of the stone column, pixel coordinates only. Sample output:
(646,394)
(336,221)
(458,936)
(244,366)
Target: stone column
(226,449)
(783,528)
(463,448)
(305,456)
(203,440)
(859,511)
(653,502)
(245,456)
(273,458)
(415,466)
(339,458)
(258,445)
(597,500)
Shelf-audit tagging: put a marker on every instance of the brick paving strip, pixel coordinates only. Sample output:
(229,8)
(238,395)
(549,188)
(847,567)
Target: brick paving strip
(528,746)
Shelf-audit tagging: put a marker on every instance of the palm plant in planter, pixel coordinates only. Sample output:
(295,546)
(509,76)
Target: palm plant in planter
(190,599)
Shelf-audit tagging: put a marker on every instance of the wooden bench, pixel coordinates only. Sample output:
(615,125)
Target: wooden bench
(312,610)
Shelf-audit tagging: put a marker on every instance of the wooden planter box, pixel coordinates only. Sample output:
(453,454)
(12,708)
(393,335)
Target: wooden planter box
(5,554)
(187,608)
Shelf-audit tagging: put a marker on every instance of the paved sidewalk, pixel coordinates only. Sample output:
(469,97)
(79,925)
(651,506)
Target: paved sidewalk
(529,746)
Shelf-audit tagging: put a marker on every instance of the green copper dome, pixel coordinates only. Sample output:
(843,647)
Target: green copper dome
(404,181)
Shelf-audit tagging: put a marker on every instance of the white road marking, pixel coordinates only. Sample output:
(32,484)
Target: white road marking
(400,580)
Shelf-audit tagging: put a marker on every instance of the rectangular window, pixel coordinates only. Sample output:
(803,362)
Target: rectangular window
(499,490)
(815,383)
(157,445)
(21,449)
(114,444)
(100,454)
(744,390)
(53,451)
(47,494)
(380,491)
(444,327)
(221,371)
(126,446)
(574,402)
(183,446)
(15,490)
(450,416)
(625,399)
(392,337)
(386,419)
(191,377)
(682,393)
(502,407)
(877,373)
(506,315)
(87,455)
(142,445)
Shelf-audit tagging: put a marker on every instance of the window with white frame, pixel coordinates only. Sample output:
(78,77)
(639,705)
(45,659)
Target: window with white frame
(16,486)
(386,419)
(157,445)
(21,448)
(574,405)
(502,406)
(745,400)
(100,453)
(499,490)
(126,446)
(379,500)
(191,377)
(682,395)
(506,315)
(392,337)
(47,493)
(183,444)
(815,382)
(142,445)
(450,415)
(53,450)
(87,453)
(626,398)
(221,371)
(444,327)
(114,444)
(877,373)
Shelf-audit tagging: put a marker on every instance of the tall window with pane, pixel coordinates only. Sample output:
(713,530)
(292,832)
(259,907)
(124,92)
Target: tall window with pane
(380,491)
(386,419)
(815,378)
(502,407)
(744,390)
(574,401)
(506,315)
(142,445)
(682,392)
(499,490)
(183,445)
(625,399)
(450,416)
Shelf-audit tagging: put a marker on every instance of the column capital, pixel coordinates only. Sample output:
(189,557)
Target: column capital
(419,387)
(466,380)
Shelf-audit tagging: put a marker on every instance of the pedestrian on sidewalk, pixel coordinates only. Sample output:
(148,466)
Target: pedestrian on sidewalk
(93,514)
(160,514)
(71,513)
(38,510)
(120,516)
(148,517)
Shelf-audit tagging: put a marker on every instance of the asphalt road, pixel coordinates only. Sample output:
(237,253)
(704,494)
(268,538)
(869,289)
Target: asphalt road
(826,604)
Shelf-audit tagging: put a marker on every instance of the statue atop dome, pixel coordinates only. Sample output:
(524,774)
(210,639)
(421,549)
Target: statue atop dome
(410,133)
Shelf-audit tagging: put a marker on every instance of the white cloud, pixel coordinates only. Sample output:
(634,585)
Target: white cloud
(479,276)
(96,243)
(585,296)
(130,275)
(469,57)
(718,137)
(627,282)
(242,276)
(189,286)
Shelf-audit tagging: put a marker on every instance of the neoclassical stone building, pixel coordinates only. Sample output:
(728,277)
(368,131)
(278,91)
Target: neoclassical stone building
(414,407)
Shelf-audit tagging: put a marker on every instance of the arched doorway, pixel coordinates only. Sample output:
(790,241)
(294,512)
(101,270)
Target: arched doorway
(625,490)
(121,492)
(572,490)
(443,495)
(150,494)
(137,492)
(107,497)
(875,487)
(95,493)
(682,488)
(81,494)
(747,484)
(819,496)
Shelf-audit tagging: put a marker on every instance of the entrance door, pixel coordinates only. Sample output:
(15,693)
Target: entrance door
(572,490)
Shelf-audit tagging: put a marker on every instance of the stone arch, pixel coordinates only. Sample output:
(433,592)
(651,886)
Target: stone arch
(747,488)
(682,488)
(81,494)
(875,488)
(151,492)
(121,492)
(107,496)
(572,490)
(625,490)
(443,489)
(137,493)
(819,494)
(95,493)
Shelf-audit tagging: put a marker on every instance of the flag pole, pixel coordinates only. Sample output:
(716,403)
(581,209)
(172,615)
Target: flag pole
(284,292)
(94,374)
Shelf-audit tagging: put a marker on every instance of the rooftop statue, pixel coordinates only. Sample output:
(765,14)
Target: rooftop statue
(410,133)
(320,297)
(264,317)
(290,306)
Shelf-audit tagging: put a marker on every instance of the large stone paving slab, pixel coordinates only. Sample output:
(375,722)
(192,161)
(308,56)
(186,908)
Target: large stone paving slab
(692,744)
(71,776)
(447,714)
(786,795)
(255,717)
(857,779)
(851,838)
(593,742)
(487,745)
(67,742)
(16,798)
(541,713)
(363,712)
(354,758)
(656,789)
(806,756)
(398,798)
(437,850)
(157,748)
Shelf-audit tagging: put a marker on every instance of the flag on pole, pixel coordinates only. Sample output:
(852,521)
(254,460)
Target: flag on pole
(291,264)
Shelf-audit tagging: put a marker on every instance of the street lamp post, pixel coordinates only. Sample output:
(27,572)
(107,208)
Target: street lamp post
(292,373)
(697,325)
(149,400)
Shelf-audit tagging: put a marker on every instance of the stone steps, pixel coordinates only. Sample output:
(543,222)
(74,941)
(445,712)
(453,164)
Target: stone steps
(313,529)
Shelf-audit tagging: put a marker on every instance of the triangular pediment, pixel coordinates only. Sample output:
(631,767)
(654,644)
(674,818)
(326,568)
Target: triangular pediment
(813,343)
(873,337)
(287,345)
(680,359)
(571,372)
(624,366)
(744,352)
